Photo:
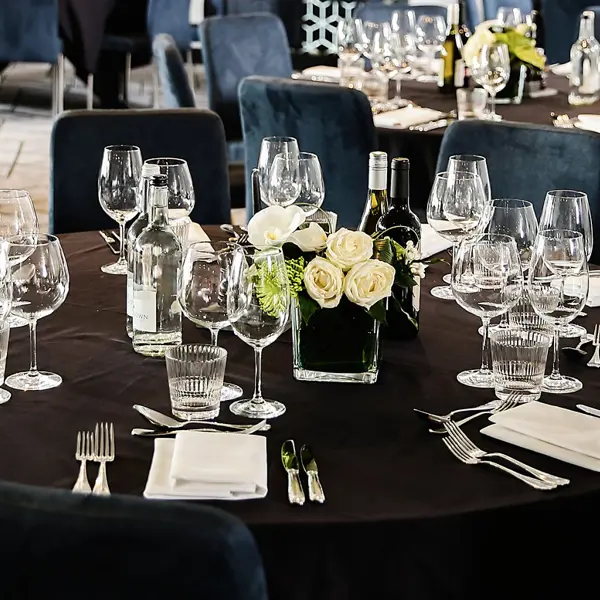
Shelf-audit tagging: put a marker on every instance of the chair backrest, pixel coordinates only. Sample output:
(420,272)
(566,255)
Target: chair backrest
(381,13)
(58,543)
(240,7)
(334,122)
(29,31)
(172,17)
(492,6)
(79,138)
(475,13)
(236,47)
(172,76)
(561,19)
(526,161)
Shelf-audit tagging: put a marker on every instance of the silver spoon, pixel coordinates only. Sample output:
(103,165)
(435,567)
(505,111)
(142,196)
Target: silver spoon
(578,351)
(157,418)
(229,229)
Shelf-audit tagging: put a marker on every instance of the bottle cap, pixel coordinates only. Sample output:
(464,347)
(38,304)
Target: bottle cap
(150,169)
(400,164)
(159,180)
(378,161)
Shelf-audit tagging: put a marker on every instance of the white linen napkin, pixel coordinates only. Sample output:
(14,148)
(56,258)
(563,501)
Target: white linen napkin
(567,435)
(196,234)
(323,72)
(588,122)
(431,241)
(593,299)
(406,117)
(208,466)
(563,70)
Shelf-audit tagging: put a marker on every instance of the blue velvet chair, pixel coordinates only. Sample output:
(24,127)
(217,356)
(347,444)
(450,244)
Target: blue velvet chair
(240,7)
(526,161)
(334,122)
(60,545)
(380,13)
(172,76)
(29,33)
(79,138)
(492,6)
(561,21)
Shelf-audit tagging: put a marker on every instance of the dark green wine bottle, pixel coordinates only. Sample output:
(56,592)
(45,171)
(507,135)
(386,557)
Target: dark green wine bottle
(452,69)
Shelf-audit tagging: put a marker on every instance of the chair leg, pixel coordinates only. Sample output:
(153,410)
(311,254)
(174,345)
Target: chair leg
(127,80)
(155,87)
(90,92)
(58,85)
(190,65)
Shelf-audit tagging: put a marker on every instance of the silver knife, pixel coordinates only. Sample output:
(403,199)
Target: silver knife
(589,410)
(161,433)
(309,464)
(109,241)
(290,464)
(431,125)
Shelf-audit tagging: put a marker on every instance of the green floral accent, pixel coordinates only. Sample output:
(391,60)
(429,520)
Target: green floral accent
(295,272)
(520,47)
(269,289)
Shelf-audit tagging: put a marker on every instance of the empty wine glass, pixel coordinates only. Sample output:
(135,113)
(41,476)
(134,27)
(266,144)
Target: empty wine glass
(487,281)
(258,303)
(117,190)
(368,30)
(40,284)
(311,185)
(491,70)
(558,287)
(284,180)
(5,308)
(181,188)
(349,41)
(430,34)
(508,16)
(389,56)
(271,147)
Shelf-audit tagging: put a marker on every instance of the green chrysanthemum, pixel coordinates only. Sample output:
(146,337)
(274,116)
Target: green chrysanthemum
(269,289)
(295,272)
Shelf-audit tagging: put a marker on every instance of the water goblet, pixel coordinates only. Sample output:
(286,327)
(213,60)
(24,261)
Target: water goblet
(491,70)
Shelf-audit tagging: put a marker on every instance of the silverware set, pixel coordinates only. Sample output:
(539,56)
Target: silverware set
(291,464)
(99,447)
(238,238)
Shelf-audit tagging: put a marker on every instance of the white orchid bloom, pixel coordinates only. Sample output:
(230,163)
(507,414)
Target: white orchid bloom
(274,225)
(310,239)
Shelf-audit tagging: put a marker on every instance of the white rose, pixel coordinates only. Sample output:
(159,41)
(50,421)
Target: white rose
(309,239)
(482,37)
(368,282)
(347,248)
(273,225)
(324,282)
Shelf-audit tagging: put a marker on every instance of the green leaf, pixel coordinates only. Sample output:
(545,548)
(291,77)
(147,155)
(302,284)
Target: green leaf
(377,311)
(384,251)
(404,278)
(397,306)
(308,307)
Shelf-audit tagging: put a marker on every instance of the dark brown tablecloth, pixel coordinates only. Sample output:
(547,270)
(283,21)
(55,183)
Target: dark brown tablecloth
(403,518)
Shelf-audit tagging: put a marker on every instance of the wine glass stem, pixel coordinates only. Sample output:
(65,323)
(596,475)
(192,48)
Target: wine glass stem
(123,244)
(33,368)
(397,88)
(214,337)
(493,103)
(485,364)
(257,397)
(556,358)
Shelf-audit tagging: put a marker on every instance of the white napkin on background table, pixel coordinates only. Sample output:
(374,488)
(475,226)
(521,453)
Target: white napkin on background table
(406,117)
(588,122)
(563,70)
(208,466)
(594,291)
(323,71)
(431,241)
(196,234)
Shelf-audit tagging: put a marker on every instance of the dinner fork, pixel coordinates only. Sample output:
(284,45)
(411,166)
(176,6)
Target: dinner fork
(83,453)
(459,436)
(242,239)
(104,451)
(457,451)
(595,360)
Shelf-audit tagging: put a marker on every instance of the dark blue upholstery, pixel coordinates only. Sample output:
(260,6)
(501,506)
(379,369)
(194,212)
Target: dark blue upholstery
(334,122)
(561,20)
(492,6)
(64,546)
(475,13)
(526,161)
(79,138)
(29,31)
(236,47)
(240,7)
(174,81)
(380,13)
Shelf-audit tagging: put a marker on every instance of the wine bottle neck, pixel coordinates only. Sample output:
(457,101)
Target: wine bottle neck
(400,189)
(159,206)
(586,26)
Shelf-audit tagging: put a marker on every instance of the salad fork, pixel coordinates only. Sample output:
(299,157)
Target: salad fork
(104,451)
(595,360)
(83,453)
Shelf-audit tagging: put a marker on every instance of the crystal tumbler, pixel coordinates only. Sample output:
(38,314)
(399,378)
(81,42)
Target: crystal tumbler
(181,228)
(522,316)
(195,374)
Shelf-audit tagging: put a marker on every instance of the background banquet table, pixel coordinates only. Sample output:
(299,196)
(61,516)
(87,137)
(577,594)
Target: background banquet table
(403,518)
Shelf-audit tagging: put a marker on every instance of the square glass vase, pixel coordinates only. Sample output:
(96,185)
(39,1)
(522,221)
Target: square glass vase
(337,345)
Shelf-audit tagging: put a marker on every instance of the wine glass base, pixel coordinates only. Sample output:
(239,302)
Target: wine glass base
(443,292)
(42,380)
(572,331)
(13,321)
(447,278)
(231,391)
(475,378)
(492,117)
(118,268)
(495,327)
(5,396)
(269,409)
(561,385)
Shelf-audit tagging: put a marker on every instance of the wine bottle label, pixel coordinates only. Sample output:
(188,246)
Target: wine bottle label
(144,310)
(459,73)
(416,295)
(129,294)
(378,179)
(441,70)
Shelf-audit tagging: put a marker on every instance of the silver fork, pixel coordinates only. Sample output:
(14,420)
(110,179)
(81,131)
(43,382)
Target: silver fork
(109,241)
(470,460)
(242,239)
(595,360)
(459,436)
(83,453)
(104,451)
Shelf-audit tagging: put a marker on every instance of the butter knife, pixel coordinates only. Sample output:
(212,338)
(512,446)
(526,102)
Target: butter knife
(589,410)
(431,125)
(162,433)
(290,464)
(309,464)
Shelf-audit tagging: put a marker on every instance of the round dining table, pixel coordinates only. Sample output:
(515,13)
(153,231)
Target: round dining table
(403,518)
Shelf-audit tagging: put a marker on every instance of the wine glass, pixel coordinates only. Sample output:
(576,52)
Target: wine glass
(558,287)
(258,303)
(5,308)
(368,30)
(456,205)
(271,147)
(491,70)
(349,41)
(310,180)
(40,284)
(17,217)
(430,34)
(203,283)
(570,210)
(508,16)
(181,188)
(487,281)
(117,190)
(389,56)
(284,180)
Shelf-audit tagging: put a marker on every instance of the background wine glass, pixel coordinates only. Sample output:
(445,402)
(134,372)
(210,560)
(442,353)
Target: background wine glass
(5,308)
(311,185)
(203,284)
(509,16)
(389,56)
(284,180)
(40,284)
(117,190)
(558,287)
(430,35)
(348,41)
(487,281)
(258,303)
(181,188)
(491,70)
(368,30)
(271,147)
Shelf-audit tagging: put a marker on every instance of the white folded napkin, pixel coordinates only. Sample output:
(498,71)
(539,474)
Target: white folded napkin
(588,122)
(564,69)
(196,234)
(567,435)
(431,241)
(593,299)
(208,466)
(323,72)
(406,117)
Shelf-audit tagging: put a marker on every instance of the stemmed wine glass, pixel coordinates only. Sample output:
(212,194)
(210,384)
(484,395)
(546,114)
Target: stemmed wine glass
(348,41)
(430,34)
(487,281)
(455,208)
(17,217)
(389,56)
(181,188)
(284,180)
(558,287)
(40,284)
(270,148)
(5,308)
(117,190)
(491,70)
(311,191)
(258,303)
(368,30)
(509,16)
(203,284)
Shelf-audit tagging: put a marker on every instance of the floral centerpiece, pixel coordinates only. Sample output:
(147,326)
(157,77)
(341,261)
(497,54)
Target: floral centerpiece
(524,55)
(341,285)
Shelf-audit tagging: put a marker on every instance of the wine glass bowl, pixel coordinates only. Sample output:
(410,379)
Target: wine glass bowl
(284,180)
(311,191)
(270,148)
(509,16)
(348,40)
(182,198)
(491,70)
(430,33)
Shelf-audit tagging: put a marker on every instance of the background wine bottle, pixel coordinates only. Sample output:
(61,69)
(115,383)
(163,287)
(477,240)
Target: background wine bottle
(377,194)
(537,17)
(463,31)
(452,74)
(402,225)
